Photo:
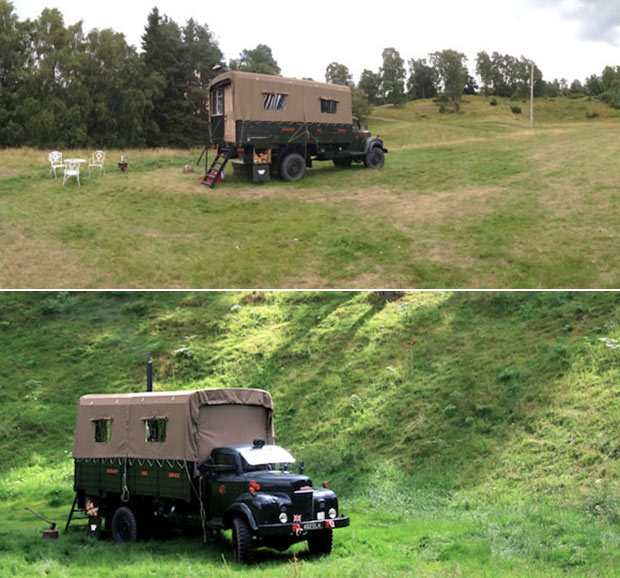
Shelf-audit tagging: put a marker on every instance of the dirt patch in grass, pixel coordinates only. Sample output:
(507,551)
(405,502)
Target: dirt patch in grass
(402,208)
(21,265)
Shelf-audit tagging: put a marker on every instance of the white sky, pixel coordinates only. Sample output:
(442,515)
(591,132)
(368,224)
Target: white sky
(566,38)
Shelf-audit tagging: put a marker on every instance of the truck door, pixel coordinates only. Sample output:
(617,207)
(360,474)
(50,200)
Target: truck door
(229,117)
(217,114)
(223,484)
(222,117)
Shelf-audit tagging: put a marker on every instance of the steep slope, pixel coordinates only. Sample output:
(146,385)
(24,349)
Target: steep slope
(495,391)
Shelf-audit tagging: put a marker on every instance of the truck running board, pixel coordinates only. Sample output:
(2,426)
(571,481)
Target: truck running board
(217,166)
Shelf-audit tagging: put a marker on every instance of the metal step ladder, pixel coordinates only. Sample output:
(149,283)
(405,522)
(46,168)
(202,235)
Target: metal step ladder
(72,515)
(217,166)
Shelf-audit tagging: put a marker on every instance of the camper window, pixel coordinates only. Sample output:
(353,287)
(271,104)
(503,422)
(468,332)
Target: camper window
(329,106)
(217,102)
(155,430)
(102,430)
(274,101)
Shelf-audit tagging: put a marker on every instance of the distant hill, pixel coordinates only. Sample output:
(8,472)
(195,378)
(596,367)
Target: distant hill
(487,390)
(418,124)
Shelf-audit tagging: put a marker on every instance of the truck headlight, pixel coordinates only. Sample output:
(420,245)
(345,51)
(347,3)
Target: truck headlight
(332,513)
(283,517)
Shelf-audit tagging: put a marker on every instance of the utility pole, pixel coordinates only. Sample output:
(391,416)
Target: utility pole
(532,96)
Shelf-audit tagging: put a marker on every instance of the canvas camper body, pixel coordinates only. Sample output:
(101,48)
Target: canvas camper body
(260,110)
(150,444)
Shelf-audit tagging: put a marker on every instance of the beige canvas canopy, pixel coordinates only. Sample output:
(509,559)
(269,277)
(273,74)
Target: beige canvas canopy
(303,98)
(193,423)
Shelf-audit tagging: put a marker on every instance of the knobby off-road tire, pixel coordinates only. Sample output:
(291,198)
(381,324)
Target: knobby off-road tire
(242,547)
(375,158)
(321,543)
(124,526)
(293,167)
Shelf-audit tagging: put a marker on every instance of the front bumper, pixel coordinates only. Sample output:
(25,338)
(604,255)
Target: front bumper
(302,528)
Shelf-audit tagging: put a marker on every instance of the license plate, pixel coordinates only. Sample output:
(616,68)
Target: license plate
(314,526)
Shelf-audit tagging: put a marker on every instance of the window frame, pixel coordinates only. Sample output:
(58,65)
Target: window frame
(106,433)
(217,101)
(275,101)
(328,105)
(155,429)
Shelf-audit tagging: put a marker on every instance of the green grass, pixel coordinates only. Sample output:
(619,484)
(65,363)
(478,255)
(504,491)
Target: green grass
(470,200)
(423,532)
(466,434)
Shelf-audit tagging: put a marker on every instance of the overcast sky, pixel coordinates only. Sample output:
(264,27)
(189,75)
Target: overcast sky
(566,38)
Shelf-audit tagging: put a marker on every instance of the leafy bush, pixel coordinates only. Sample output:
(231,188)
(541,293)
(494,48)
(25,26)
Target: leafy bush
(592,114)
(493,101)
(515,109)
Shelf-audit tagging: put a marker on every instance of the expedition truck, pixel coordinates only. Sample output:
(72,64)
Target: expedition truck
(272,124)
(202,457)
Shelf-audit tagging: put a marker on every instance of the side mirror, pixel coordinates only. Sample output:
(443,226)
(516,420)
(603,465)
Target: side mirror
(301,468)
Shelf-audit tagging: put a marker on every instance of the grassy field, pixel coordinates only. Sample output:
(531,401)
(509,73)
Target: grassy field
(473,200)
(466,434)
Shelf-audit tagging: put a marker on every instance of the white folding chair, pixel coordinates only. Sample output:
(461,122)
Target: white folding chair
(55,158)
(97,160)
(72,169)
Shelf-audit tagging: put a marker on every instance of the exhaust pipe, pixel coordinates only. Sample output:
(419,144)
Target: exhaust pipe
(149,376)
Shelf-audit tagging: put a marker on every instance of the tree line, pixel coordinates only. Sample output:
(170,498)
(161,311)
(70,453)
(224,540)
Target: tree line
(445,75)
(62,87)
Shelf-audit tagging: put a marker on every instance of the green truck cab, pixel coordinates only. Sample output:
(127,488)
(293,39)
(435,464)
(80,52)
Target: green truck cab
(275,125)
(253,491)
(205,458)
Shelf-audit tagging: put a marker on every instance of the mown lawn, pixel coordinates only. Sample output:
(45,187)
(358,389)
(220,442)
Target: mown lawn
(464,201)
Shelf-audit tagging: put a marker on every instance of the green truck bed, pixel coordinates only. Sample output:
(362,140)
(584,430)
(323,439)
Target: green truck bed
(161,479)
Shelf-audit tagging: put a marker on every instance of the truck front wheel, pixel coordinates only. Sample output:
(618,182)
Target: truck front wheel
(293,167)
(375,158)
(320,543)
(124,525)
(242,550)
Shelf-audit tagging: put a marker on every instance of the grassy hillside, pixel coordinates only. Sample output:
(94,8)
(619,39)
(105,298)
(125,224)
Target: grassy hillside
(470,200)
(470,434)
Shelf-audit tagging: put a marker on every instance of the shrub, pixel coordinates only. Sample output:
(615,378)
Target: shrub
(516,109)
(592,114)
(493,101)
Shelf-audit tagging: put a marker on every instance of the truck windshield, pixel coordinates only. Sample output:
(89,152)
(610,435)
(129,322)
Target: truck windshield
(268,454)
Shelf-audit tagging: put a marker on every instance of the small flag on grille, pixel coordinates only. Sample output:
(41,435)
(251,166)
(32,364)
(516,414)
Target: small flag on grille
(297,518)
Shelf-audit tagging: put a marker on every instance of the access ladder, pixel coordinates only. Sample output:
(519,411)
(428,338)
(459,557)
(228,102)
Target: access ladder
(72,515)
(217,166)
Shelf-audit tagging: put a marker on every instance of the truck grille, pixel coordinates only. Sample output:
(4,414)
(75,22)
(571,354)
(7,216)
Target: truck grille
(302,503)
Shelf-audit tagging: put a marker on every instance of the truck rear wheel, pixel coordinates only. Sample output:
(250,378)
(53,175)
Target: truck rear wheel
(320,543)
(293,167)
(375,158)
(124,525)
(242,549)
